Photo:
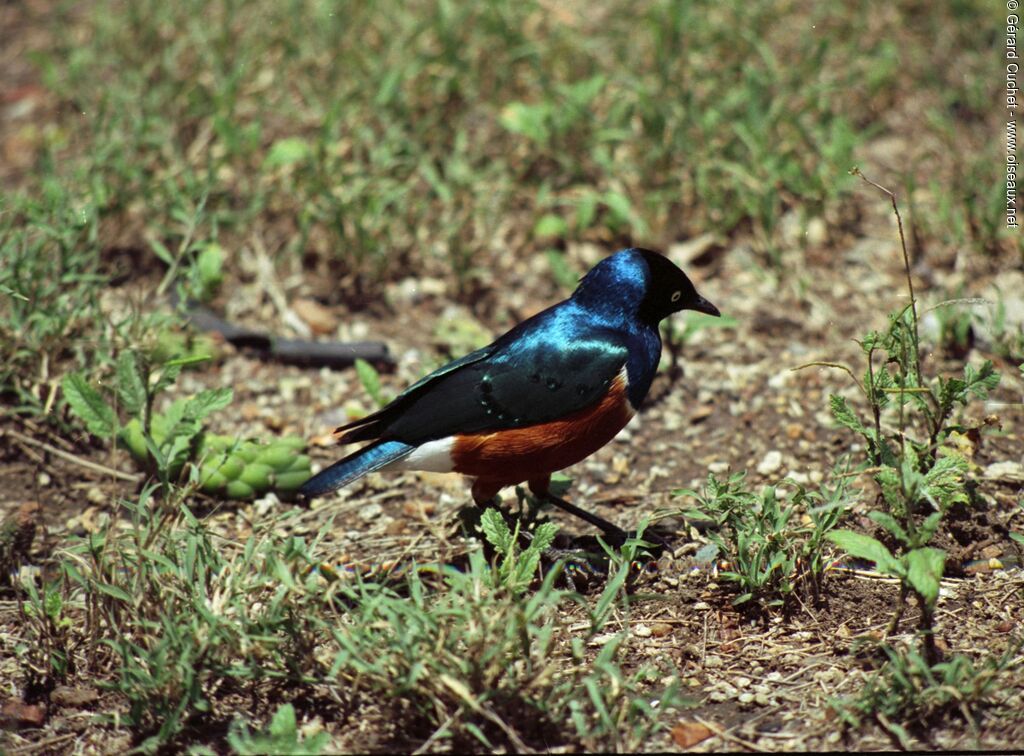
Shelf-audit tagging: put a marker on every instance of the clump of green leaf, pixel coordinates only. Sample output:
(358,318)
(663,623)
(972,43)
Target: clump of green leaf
(164,614)
(169,442)
(205,273)
(370,379)
(50,656)
(918,567)
(517,567)
(772,544)
(168,617)
(896,386)
(908,690)
(50,287)
(481,661)
(282,736)
(919,478)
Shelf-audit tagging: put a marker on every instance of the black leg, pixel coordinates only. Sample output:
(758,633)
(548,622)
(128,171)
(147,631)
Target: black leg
(615,534)
(612,531)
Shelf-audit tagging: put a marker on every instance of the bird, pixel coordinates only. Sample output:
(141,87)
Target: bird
(542,397)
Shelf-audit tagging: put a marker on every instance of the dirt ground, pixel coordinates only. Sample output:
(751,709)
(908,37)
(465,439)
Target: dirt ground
(763,680)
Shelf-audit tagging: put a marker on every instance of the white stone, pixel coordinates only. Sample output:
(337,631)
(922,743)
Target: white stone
(771,463)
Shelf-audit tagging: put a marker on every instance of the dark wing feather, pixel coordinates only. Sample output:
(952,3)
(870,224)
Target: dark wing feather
(371,426)
(525,382)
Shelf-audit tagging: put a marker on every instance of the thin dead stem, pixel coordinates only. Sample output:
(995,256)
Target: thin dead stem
(906,265)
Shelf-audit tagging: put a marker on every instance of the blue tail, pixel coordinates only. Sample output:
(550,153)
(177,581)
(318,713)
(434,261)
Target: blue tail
(355,465)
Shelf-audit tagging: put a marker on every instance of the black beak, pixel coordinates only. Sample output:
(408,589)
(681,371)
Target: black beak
(703,305)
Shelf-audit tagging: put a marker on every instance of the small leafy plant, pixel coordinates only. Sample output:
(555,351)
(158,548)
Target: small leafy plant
(370,379)
(773,545)
(166,443)
(163,613)
(918,567)
(480,660)
(282,736)
(517,568)
(206,273)
(52,658)
(908,688)
(919,477)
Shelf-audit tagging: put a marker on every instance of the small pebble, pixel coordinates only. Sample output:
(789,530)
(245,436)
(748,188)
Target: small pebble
(771,463)
(661,629)
(371,511)
(265,504)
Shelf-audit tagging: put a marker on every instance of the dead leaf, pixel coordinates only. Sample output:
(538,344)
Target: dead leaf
(319,319)
(703,412)
(688,734)
(419,509)
(66,695)
(16,714)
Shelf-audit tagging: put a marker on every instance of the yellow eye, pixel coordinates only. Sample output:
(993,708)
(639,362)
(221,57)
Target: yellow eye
(676,295)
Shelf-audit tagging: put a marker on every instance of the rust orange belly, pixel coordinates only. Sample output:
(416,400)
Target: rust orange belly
(512,456)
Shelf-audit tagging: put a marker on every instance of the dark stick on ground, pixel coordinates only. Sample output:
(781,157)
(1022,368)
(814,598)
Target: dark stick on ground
(332,354)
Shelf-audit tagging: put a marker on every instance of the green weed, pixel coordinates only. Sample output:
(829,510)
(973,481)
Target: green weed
(772,544)
(382,135)
(282,736)
(163,613)
(517,569)
(174,441)
(483,663)
(50,286)
(919,478)
(908,693)
(370,379)
(167,616)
